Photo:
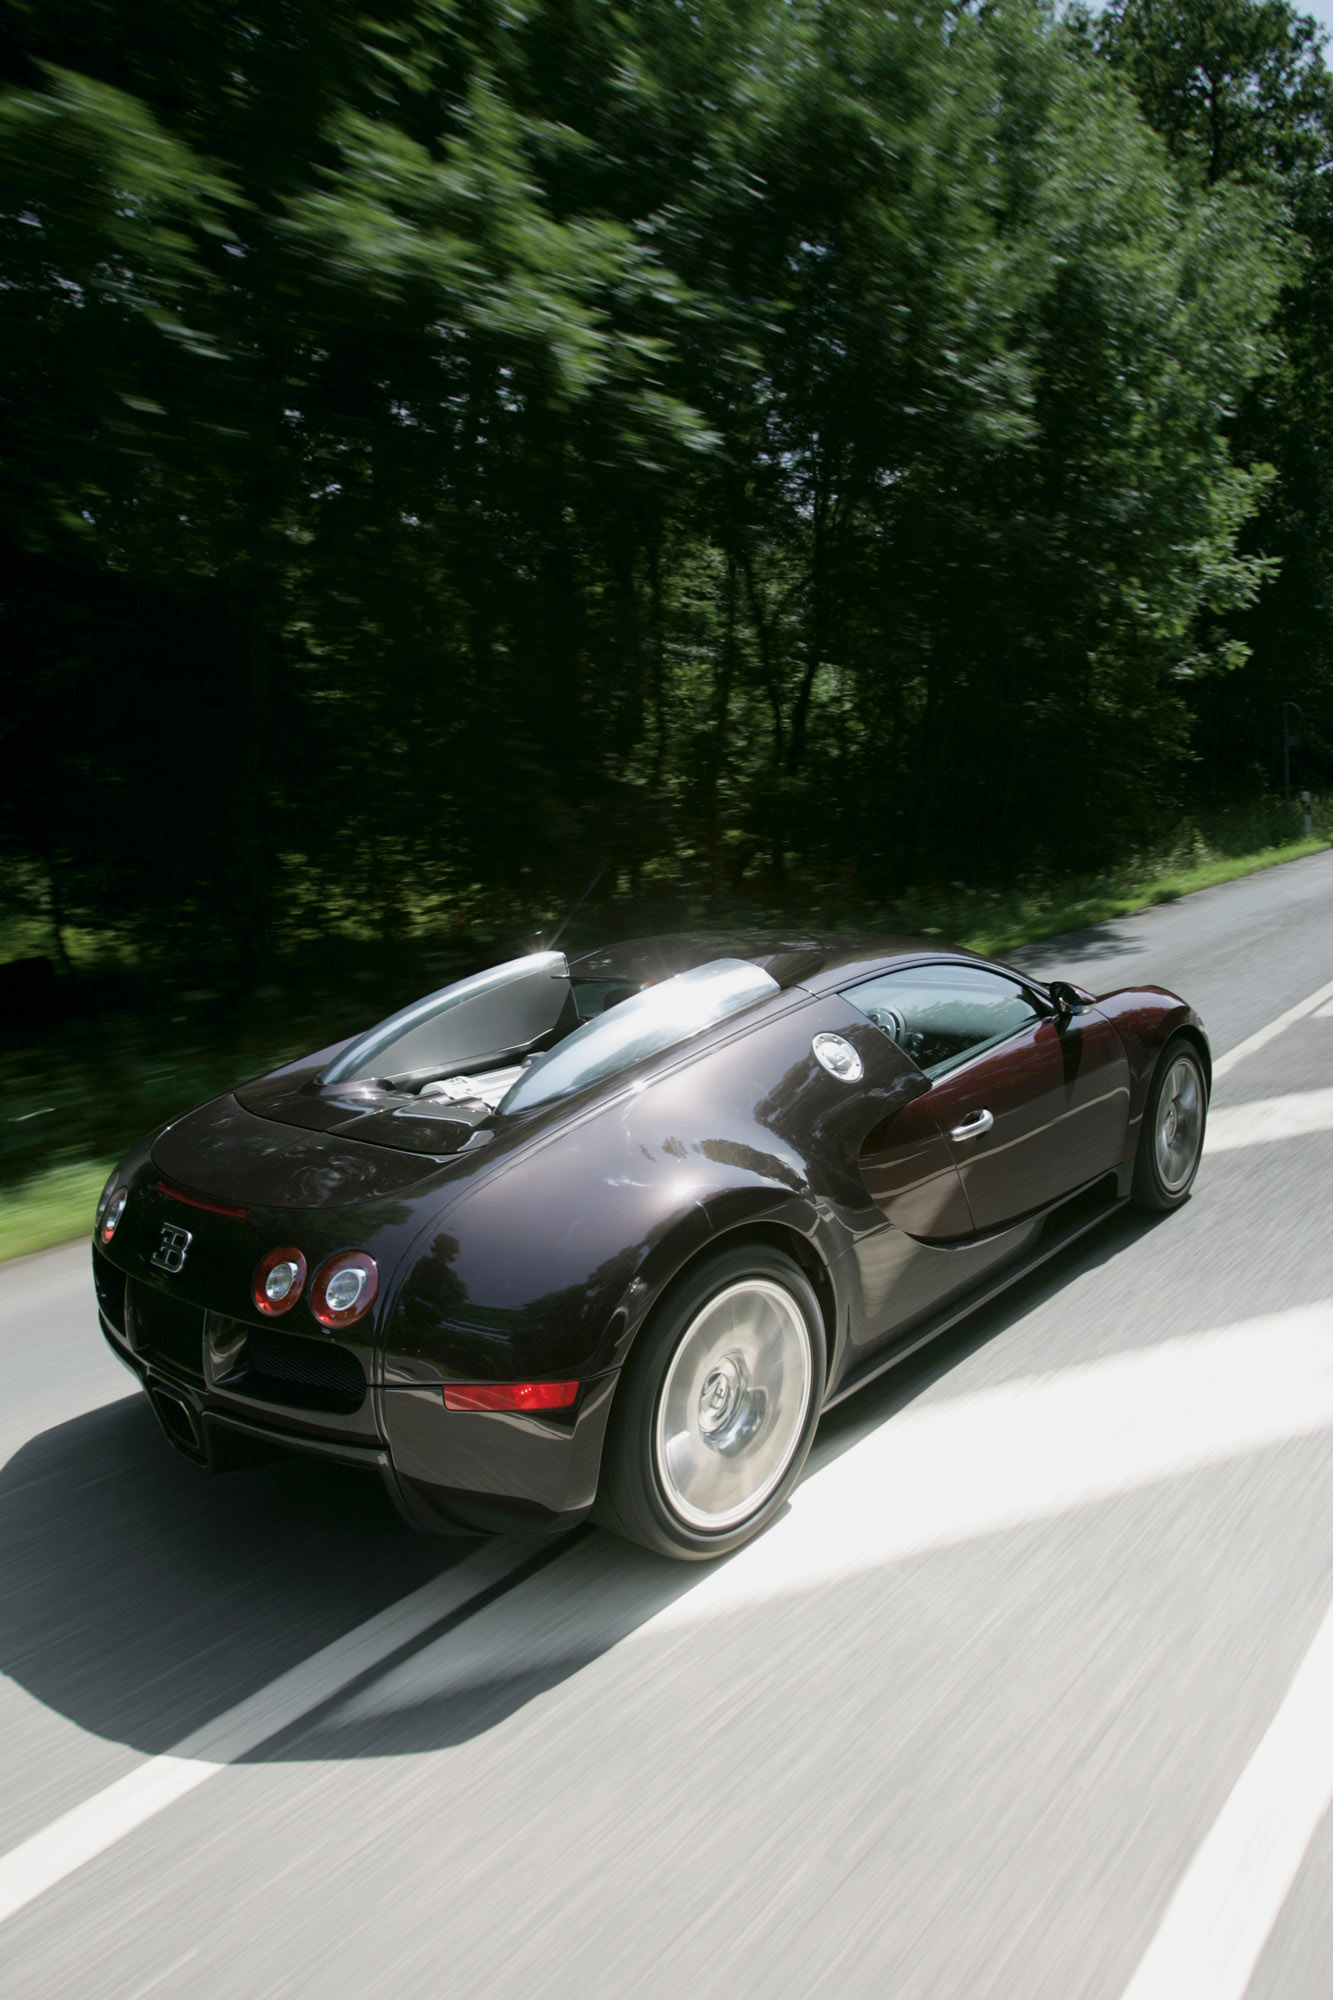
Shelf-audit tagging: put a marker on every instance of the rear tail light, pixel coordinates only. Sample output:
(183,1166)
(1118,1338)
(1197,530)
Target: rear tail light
(279,1281)
(103,1199)
(344,1289)
(510,1395)
(111,1215)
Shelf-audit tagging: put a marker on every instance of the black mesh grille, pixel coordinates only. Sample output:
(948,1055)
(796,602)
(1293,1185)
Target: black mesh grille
(302,1372)
(165,1330)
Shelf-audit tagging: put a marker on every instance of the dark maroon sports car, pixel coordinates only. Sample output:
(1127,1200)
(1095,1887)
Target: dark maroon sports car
(610,1233)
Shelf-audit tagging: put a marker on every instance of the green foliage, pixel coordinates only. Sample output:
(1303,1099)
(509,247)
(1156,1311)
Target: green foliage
(1237,87)
(454,447)
(51,1207)
(1240,93)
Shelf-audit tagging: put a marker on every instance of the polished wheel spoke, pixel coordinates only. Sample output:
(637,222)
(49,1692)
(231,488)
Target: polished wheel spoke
(733,1404)
(1179,1132)
(710,1491)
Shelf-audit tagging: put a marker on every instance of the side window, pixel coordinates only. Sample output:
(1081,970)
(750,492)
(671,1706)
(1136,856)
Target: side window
(941,1014)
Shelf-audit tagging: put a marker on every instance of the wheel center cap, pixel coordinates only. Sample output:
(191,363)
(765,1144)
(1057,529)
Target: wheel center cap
(721,1393)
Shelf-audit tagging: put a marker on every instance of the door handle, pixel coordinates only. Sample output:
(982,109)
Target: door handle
(972,1127)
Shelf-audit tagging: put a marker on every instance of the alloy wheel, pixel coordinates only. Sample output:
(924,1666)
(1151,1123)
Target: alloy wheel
(1179,1131)
(733,1404)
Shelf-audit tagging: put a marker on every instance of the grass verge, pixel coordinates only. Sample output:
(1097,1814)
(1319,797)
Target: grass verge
(50,1207)
(1022,919)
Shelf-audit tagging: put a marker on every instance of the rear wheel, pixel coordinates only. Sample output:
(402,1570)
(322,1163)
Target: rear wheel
(1171,1141)
(717,1407)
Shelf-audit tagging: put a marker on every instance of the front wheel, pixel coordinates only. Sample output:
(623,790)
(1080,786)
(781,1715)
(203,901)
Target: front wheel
(717,1407)
(1171,1141)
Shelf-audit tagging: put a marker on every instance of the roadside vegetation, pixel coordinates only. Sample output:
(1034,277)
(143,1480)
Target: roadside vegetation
(51,1207)
(80,1093)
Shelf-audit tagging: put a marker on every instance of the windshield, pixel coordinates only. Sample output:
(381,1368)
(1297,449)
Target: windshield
(640,1026)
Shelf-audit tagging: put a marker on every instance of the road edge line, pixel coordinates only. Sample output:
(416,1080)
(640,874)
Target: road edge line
(1262,1036)
(88,1829)
(1222,1914)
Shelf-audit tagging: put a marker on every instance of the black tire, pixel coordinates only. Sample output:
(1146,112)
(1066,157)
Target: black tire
(1174,1121)
(724,1386)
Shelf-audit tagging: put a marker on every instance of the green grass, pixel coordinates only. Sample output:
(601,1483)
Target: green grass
(1020,918)
(86,1090)
(50,1207)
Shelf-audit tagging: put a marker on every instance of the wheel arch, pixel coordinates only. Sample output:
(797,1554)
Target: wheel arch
(775,1233)
(1147,1018)
(1188,1032)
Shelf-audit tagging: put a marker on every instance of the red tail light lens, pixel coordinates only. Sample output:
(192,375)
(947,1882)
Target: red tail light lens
(344,1289)
(510,1395)
(279,1281)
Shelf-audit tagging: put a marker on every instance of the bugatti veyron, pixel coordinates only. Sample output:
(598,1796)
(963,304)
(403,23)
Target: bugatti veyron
(609,1233)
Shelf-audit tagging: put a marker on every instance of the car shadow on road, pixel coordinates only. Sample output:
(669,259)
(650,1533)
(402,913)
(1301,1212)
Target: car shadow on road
(141,1597)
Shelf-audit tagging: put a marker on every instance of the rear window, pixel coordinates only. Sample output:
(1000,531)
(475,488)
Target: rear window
(472,1022)
(641,1025)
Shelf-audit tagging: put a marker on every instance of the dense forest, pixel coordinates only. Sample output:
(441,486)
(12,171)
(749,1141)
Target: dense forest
(459,450)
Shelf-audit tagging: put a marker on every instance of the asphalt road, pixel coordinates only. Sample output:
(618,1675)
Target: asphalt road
(1028,1694)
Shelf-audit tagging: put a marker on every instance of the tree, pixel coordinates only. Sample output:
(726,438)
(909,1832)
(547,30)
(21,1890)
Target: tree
(457,446)
(1239,90)
(1235,86)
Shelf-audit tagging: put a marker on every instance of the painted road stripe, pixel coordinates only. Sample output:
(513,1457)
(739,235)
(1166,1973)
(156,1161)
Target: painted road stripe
(1000,1459)
(1221,1916)
(1269,1118)
(1263,1036)
(1004,1457)
(89,1829)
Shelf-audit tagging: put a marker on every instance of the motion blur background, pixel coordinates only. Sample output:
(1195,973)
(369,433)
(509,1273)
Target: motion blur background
(746,458)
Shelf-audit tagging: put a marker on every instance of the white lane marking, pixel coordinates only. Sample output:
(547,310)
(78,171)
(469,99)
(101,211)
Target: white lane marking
(1269,1118)
(1221,1916)
(1002,1458)
(1020,1452)
(1263,1036)
(1324,1013)
(88,1829)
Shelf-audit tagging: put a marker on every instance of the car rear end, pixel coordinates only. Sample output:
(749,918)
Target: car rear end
(251,1322)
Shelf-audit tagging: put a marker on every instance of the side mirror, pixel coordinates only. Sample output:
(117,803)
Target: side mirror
(1067,1001)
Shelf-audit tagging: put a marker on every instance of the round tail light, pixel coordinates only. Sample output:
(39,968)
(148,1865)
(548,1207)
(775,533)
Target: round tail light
(115,1208)
(344,1289)
(104,1198)
(279,1281)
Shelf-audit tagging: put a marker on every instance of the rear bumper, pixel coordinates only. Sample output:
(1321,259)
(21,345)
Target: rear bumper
(493,1472)
(446,1472)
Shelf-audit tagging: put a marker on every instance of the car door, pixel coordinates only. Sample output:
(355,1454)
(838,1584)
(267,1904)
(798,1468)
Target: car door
(911,1172)
(1032,1105)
